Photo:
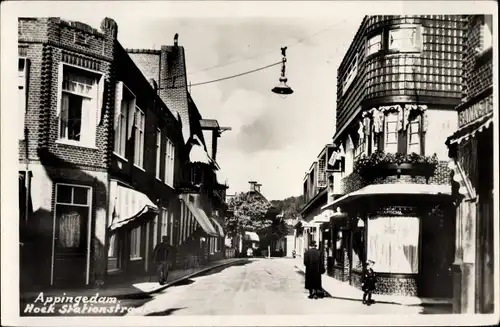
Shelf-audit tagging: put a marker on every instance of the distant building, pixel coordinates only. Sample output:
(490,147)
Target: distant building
(398,86)
(471,151)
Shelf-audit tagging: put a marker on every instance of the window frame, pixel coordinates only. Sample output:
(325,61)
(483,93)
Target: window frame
(133,256)
(130,103)
(386,131)
(369,46)
(417,44)
(416,120)
(23,81)
(486,29)
(164,222)
(97,94)
(89,224)
(169,162)
(158,153)
(139,133)
(350,74)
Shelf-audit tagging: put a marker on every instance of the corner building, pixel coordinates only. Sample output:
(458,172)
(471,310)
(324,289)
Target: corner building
(398,85)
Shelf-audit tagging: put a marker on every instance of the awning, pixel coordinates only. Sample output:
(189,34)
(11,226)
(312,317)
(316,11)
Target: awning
(299,222)
(218,227)
(201,218)
(129,204)
(252,236)
(470,130)
(323,217)
(392,189)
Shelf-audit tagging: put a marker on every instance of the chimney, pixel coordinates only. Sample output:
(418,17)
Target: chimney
(257,187)
(252,185)
(176,39)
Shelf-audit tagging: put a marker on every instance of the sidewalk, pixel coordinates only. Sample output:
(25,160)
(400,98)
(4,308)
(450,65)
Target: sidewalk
(341,289)
(139,287)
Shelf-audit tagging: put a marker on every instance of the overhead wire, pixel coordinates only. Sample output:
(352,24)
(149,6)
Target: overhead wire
(255,56)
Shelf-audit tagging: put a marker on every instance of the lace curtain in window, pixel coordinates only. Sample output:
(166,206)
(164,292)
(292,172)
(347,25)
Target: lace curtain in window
(70,230)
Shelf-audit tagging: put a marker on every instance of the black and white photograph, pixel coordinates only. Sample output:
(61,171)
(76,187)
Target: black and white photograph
(249,163)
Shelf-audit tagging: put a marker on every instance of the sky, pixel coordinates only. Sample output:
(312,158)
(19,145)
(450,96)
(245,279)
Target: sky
(274,140)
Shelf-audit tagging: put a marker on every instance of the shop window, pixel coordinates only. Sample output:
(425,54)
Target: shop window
(414,135)
(73,214)
(393,244)
(391,133)
(135,243)
(113,248)
(405,39)
(139,125)
(360,147)
(78,106)
(374,44)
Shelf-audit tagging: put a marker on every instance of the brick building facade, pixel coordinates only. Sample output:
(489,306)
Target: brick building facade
(398,85)
(471,152)
(102,159)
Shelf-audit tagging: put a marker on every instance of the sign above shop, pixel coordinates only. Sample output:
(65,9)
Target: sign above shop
(475,111)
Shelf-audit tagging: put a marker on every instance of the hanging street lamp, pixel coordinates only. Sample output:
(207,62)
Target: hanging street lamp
(282,88)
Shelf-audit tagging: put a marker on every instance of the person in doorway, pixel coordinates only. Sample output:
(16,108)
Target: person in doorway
(368,282)
(161,257)
(313,261)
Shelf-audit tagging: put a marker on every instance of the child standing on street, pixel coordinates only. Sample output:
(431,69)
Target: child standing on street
(368,282)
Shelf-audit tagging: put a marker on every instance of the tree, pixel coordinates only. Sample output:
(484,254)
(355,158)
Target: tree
(250,211)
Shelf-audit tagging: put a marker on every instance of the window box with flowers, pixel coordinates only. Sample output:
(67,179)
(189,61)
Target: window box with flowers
(380,164)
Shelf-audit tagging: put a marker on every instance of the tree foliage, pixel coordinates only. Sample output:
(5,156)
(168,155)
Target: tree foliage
(250,211)
(290,207)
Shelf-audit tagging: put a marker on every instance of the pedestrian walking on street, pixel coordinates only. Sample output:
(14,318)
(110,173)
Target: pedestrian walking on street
(368,283)
(315,267)
(161,257)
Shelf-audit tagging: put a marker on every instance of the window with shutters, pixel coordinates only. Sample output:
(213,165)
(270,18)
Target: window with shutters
(79,104)
(125,104)
(23,71)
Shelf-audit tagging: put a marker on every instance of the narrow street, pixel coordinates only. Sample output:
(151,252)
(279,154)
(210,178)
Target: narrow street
(260,287)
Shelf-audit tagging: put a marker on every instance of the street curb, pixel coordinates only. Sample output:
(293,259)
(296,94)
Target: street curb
(414,304)
(142,294)
(176,281)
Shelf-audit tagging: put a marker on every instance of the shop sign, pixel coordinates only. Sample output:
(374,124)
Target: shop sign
(475,111)
(397,211)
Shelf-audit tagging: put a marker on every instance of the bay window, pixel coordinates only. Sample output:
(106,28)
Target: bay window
(78,106)
(374,44)
(139,125)
(393,244)
(405,39)
(391,133)
(414,141)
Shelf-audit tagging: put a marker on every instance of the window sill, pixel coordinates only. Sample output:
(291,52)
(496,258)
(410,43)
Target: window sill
(140,168)
(75,144)
(136,259)
(158,179)
(120,157)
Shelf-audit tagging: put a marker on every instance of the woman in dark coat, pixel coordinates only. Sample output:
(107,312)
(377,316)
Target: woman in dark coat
(314,263)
